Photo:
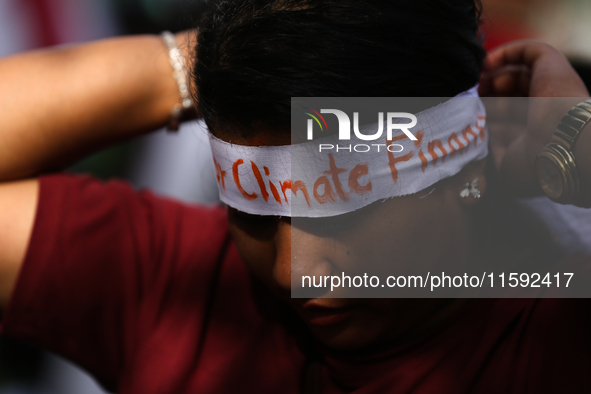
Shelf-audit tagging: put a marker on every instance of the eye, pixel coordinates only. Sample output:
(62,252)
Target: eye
(322,227)
(325,227)
(335,225)
(259,226)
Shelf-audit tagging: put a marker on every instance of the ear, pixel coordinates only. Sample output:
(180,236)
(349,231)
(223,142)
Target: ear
(467,176)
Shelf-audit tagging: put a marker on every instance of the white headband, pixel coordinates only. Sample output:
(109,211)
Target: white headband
(299,180)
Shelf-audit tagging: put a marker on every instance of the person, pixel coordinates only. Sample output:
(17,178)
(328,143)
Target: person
(154,296)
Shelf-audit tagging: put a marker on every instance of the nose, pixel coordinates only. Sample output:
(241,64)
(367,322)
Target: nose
(298,254)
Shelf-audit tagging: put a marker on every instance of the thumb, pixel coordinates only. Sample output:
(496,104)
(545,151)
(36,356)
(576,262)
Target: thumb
(517,169)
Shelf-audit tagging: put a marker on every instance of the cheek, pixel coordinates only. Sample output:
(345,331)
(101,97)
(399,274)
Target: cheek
(394,237)
(258,255)
(414,234)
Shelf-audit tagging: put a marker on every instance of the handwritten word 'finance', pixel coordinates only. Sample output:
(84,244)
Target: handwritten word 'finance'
(328,186)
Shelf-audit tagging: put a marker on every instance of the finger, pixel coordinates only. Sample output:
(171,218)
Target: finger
(523,52)
(509,81)
(551,73)
(498,152)
(517,170)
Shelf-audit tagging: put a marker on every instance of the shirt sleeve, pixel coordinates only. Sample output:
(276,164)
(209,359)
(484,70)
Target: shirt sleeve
(101,261)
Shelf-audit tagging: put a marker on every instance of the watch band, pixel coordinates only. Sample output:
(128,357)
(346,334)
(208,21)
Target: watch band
(571,125)
(559,152)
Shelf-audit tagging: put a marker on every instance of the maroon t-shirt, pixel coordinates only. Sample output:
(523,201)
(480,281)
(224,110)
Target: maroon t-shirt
(150,296)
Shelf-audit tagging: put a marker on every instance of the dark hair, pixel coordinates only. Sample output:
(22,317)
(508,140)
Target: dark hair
(254,55)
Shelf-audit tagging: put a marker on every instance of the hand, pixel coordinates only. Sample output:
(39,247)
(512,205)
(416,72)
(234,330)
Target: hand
(527,69)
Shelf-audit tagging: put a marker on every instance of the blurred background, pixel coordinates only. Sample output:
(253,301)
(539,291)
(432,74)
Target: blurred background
(179,164)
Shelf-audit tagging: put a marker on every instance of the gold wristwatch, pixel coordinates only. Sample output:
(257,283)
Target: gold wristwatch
(556,166)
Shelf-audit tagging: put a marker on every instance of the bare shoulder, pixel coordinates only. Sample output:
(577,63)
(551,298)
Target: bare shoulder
(18,203)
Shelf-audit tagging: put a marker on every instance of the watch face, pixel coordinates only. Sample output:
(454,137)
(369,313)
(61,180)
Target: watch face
(550,178)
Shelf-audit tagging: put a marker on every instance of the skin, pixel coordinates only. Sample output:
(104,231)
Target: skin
(62,103)
(108,100)
(531,68)
(399,229)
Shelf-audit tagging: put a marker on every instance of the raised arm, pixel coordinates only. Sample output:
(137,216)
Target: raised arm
(534,69)
(59,104)
(62,103)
